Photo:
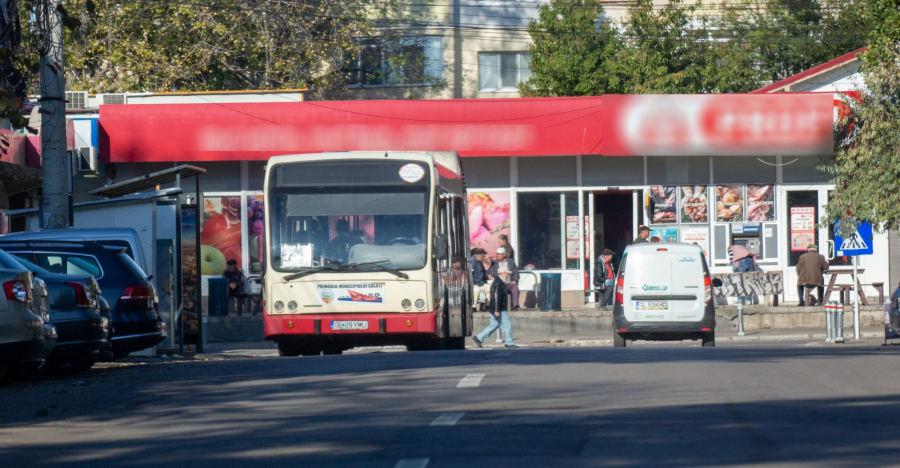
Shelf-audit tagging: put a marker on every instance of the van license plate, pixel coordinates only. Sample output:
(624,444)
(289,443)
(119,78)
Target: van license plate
(656,305)
(349,325)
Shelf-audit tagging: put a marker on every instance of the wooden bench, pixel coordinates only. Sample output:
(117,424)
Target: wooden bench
(845,288)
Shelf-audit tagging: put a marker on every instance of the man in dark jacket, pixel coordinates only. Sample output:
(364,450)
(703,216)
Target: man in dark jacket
(236,280)
(479,279)
(811,268)
(605,277)
(498,311)
(643,234)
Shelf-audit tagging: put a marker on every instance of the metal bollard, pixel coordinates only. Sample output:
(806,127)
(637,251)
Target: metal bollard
(740,307)
(829,321)
(839,324)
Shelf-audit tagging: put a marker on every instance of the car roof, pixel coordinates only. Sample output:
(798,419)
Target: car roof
(653,247)
(58,244)
(92,233)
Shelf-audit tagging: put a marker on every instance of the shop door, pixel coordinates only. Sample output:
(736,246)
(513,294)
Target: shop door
(803,212)
(613,220)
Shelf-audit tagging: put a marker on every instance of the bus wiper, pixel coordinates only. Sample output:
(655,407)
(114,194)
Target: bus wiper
(310,271)
(379,266)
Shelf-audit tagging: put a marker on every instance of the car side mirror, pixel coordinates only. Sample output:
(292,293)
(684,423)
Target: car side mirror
(150,278)
(717,283)
(440,247)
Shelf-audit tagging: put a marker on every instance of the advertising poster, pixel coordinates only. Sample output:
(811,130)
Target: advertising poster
(694,204)
(190,294)
(664,208)
(729,203)
(220,235)
(697,236)
(665,235)
(760,203)
(803,227)
(351,292)
(488,219)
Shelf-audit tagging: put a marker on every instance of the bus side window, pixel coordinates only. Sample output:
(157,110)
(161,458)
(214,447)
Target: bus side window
(459,241)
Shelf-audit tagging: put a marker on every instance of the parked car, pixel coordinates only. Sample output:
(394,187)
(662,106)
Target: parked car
(115,237)
(21,330)
(123,285)
(75,309)
(40,306)
(664,291)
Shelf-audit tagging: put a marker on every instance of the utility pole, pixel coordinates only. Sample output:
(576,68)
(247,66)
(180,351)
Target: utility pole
(55,163)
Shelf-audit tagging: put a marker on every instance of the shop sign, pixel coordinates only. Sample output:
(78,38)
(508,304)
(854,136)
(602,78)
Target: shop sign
(803,227)
(573,243)
(761,202)
(664,207)
(718,125)
(729,203)
(745,228)
(694,204)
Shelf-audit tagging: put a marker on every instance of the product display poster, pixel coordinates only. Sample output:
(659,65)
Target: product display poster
(698,236)
(729,203)
(664,206)
(802,240)
(760,203)
(665,235)
(694,204)
(488,219)
(803,227)
(221,234)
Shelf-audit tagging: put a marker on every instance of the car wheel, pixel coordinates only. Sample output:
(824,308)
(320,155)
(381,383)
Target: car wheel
(709,340)
(618,340)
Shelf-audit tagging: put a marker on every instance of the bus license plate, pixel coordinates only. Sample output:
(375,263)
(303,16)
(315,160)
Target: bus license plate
(350,325)
(656,305)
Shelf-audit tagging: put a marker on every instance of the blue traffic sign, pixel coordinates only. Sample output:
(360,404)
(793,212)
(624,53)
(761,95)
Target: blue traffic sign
(858,244)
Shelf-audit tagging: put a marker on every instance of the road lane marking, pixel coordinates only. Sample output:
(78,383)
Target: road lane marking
(412,463)
(470,380)
(447,419)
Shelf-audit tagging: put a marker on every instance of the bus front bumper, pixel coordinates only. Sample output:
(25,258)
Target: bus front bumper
(350,324)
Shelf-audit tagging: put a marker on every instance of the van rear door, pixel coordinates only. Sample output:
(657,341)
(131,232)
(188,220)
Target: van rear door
(687,302)
(648,280)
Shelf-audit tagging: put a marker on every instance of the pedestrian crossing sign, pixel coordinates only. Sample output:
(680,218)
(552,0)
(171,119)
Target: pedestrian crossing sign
(858,244)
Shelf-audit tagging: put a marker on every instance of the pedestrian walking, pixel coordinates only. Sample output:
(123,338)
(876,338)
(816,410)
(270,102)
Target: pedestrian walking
(236,280)
(605,278)
(482,287)
(498,311)
(643,234)
(504,242)
(811,270)
(509,273)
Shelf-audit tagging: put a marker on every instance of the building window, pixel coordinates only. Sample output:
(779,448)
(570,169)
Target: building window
(502,71)
(543,240)
(404,62)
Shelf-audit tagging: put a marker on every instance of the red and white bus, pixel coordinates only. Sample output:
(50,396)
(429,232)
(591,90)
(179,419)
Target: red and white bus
(366,249)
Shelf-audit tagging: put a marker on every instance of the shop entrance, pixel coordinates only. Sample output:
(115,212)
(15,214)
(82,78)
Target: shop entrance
(613,222)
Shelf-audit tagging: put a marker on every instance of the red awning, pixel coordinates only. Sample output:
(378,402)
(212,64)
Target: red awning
(257,131)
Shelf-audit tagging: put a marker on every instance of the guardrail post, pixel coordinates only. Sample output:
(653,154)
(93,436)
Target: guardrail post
(740,307)
(839,324)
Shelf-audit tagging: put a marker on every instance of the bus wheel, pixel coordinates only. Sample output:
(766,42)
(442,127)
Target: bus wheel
(288,350)
(455,343)
(332,350)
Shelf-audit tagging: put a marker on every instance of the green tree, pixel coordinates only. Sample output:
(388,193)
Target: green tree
(571,48)
(866,165)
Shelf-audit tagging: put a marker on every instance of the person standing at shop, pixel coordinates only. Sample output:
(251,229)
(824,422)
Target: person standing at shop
(236,280)
(605,278)
(504,242)
(643,234)
(509,272)
(811,270)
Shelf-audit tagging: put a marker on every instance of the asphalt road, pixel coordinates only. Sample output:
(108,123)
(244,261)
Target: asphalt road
(638,406)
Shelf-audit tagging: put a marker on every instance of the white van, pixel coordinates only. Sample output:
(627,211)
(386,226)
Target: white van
(664,291)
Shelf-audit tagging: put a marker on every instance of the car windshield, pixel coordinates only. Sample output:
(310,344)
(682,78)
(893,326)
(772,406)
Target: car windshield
(348,213)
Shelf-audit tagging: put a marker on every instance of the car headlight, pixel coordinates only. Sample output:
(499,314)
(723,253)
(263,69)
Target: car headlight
(406,304)
(420,304)
(293,306)
(279,306)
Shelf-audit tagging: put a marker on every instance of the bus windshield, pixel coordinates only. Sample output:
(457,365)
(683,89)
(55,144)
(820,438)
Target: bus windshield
(339,213)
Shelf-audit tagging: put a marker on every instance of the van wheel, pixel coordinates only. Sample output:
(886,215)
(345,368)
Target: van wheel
(618,340)
(709,340)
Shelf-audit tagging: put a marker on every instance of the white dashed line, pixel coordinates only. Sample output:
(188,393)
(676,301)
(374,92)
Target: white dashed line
(412,463)
(447,419)
(470,380)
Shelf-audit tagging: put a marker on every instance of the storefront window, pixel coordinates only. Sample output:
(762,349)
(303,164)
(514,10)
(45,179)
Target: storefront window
(542,230)
(803,215)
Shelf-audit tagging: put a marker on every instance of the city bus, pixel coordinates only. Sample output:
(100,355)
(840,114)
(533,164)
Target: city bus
(366,249)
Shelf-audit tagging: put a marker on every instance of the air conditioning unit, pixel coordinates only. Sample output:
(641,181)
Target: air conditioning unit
(76,99)
(86,160)
(117,98)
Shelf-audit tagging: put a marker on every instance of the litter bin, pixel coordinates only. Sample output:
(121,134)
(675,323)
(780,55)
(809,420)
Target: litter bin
(218,297)
(551,286)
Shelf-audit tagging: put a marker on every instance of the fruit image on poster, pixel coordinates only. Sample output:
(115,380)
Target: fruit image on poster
(488,219)
(220,235)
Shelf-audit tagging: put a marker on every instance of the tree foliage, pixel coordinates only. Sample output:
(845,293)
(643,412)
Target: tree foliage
(866,166)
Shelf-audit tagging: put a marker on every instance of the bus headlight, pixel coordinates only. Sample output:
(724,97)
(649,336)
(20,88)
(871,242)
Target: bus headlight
(279,306)
(406,304)
(420,304)
(292,306)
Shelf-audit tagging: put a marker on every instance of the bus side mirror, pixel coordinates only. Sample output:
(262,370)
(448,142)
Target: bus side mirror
(717,283)
(440,247)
